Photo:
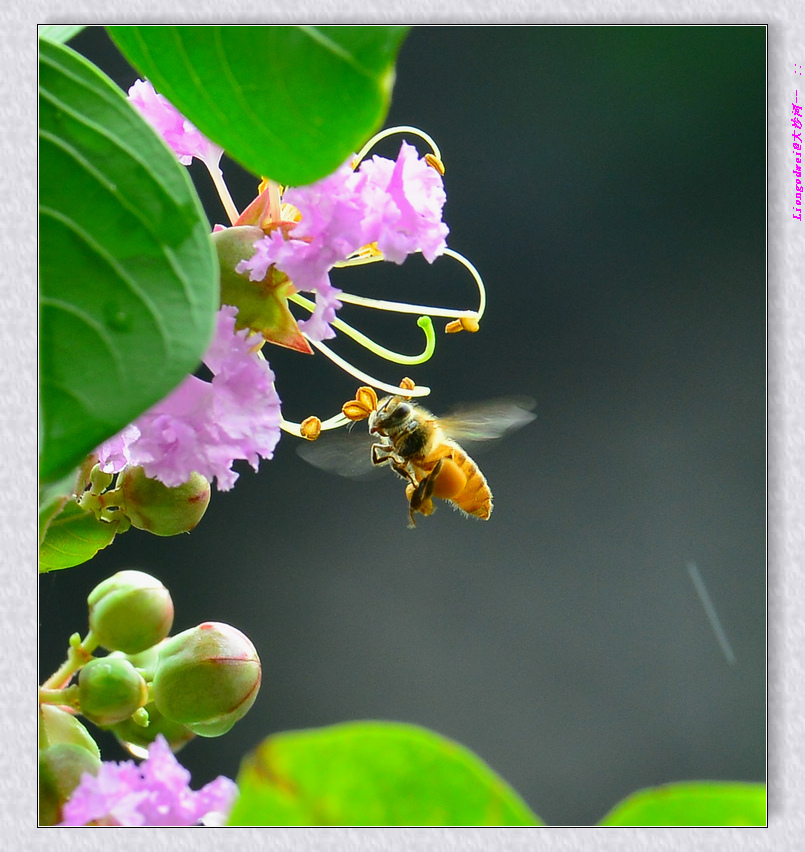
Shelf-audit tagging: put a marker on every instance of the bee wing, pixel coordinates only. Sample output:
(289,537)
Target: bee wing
(487,421)
(345,453)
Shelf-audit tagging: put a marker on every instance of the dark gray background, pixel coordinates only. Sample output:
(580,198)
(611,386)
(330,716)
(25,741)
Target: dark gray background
(609,183)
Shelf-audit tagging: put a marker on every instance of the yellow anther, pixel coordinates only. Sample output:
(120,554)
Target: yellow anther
(407,384)
(462,324)
(310,428)
(354,411)
(362,406)
(433,161)
(367,396)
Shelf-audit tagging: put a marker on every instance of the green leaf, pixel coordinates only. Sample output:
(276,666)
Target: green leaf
(371,773)
(289,103)
(710,803)
(73,536)
(58,32)
(128,273)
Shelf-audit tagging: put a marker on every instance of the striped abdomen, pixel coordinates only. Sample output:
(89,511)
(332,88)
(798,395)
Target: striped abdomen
(460,481)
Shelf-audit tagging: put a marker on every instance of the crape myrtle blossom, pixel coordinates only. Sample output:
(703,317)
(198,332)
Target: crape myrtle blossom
(393,205)
(369,210)
(204,426)
(155,793)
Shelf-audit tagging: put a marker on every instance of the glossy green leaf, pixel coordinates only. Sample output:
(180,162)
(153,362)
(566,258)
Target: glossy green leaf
(289,103)
(58,32)
(73,536)
(372,773)
(128,273)
(713,803)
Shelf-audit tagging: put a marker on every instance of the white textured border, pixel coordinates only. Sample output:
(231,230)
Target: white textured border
(786,415)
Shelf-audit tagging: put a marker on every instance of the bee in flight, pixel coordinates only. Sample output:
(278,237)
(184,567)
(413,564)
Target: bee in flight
(424,450)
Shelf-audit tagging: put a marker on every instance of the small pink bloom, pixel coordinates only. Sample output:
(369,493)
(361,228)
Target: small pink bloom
(155,793)
(404,200)
(113,455)
(184,138)
(205,426)
(396,204)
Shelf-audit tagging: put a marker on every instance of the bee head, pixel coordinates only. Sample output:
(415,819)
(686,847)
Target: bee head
(391,413)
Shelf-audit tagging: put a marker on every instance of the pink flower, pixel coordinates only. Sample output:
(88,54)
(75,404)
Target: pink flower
(404,201)
(156,792)
(205,426)
(397,205)
(113,455)
(183,137)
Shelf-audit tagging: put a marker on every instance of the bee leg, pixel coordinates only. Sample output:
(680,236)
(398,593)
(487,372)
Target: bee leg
(400,467)
(421,496)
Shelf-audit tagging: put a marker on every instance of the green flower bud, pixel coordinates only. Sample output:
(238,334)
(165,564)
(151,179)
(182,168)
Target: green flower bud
(58,726)
(160,510)
(136,739)
(110,690)
(60,769)
(130,612)
(144,662)
(207,678)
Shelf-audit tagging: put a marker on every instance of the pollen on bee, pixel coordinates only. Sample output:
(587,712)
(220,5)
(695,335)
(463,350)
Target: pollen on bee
(450,481)
(310,428)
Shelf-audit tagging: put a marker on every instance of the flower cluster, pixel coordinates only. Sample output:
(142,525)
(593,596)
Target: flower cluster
(203,426)
(393,205)
(155,793)
(367,210)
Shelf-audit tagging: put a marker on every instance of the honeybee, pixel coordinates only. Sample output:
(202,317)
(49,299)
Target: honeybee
(424,450)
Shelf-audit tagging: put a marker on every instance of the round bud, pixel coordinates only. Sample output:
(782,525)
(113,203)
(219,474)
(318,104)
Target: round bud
(110,690)
(207,678)
(144,662)
(160,510)
(130,612)
(60,769)
(59,726)
(136,738)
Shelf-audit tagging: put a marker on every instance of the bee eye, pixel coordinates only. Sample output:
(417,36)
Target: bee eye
(400,413)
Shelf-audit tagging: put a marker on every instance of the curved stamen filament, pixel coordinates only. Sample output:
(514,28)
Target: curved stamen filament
(418,390)
(478,280)
(390,131)
(424,322)
(404,307)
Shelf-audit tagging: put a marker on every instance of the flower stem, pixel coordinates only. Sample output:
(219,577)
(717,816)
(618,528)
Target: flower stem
(223,193)
(67,697)
(78,654)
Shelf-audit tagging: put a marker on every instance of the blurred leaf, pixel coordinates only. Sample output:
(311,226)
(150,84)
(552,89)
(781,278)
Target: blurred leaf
(73,536)
(712,803)
(372,773)
(58,32)
(128,273)
(289,103)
